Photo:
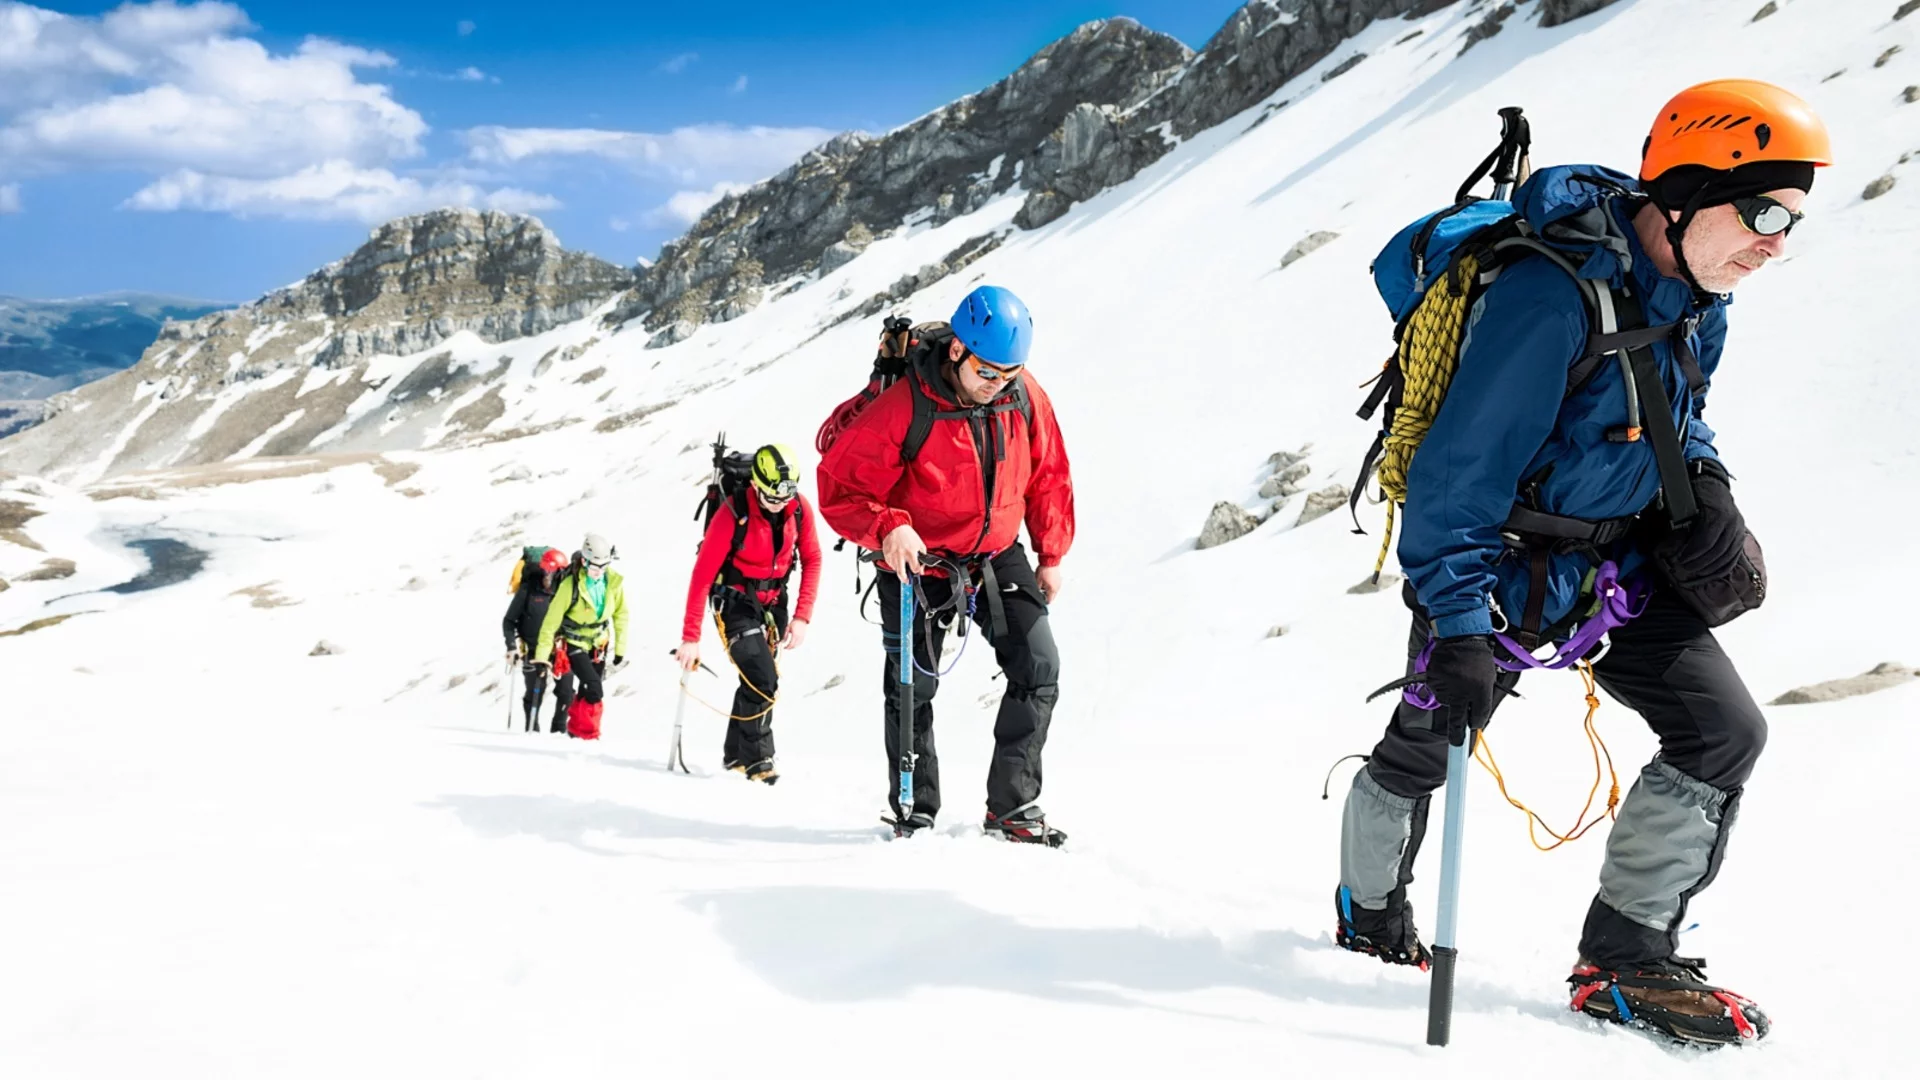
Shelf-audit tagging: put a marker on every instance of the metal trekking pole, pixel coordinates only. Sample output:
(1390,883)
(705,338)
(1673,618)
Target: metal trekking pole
(512,663)
(906,700)
(1440,991)
(675,760)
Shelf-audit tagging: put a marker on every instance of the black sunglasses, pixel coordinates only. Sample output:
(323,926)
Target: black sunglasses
(1764,216)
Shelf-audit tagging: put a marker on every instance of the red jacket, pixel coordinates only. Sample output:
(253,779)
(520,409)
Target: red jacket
(756,559)
(866,492)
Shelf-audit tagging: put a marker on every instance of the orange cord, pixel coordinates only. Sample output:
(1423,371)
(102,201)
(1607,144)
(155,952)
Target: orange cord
(1483,753)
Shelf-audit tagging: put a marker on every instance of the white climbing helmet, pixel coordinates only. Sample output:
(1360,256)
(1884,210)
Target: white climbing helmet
(598,550)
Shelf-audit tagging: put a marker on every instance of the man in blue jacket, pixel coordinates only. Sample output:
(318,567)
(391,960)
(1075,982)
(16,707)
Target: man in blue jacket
(1715,199)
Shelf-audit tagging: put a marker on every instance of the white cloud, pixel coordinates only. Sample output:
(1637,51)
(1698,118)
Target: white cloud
(465,27)
(9,198)
(685,207)
(619,224)
(330,191)
(680,63)
(702,154)
(47,57)
(471,74)
(160,86)
(739,86)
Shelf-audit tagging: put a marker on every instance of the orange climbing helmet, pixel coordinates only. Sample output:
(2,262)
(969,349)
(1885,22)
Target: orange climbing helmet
(1727,123)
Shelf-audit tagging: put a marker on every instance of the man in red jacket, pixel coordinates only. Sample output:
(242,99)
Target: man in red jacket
(949,460)
(742,572)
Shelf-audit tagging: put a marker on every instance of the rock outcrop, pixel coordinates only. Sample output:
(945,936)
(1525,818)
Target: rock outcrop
(416,282)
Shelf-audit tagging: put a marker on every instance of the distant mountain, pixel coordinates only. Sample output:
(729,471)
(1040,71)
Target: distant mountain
(47,346)
(236,382)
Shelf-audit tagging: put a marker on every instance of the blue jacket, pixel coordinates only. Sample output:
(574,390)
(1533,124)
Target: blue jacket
(1507,419)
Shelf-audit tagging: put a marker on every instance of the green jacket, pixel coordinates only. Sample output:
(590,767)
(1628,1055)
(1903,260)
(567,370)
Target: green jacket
(572,617)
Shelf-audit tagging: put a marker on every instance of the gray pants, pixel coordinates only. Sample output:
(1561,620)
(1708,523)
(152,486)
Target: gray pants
(1672,827)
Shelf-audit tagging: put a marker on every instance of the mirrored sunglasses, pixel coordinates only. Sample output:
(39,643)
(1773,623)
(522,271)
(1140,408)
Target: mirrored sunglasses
(1766,217)
(992,372)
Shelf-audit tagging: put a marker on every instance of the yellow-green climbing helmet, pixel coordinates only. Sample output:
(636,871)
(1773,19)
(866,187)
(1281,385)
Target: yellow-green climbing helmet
(776,473)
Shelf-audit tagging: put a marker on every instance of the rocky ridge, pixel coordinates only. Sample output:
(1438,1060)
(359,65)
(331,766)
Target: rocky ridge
(1085,114)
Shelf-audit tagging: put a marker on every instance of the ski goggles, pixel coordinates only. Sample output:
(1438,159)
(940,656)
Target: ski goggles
(1764,216)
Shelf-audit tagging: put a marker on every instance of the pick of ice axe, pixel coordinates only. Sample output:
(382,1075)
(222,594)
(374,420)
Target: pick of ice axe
(675,653)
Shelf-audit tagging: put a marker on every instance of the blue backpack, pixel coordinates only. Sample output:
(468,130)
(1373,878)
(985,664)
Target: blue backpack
(1432,273)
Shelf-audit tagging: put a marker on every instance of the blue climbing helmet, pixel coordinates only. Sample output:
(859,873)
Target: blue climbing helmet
(994,325)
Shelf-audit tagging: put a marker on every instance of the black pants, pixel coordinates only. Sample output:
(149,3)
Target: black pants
(536,677)
(588,671)
(744,625)
(1666,666)
(1026,653)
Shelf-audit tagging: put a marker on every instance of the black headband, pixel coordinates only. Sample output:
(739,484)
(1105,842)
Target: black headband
(1675,188)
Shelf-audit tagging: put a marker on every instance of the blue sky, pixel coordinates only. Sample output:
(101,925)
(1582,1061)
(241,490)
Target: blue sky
(221,150)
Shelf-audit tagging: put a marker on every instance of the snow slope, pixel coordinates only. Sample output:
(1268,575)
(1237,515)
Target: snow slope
(227,858)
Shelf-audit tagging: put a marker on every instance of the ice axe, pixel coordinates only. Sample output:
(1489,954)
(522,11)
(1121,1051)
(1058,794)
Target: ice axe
(1440,991)
(675,653)
(675,760)
(906,698)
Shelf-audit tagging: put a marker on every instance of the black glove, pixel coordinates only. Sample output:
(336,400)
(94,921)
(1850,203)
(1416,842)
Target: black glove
(1713,563)
(1461,674)
(1707,545)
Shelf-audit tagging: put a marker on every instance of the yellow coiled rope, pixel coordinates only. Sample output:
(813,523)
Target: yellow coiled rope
(1428,355)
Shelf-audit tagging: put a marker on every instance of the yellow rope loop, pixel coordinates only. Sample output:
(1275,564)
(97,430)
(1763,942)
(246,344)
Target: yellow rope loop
(718,711)
(1593,709)
(1483,753)
(771,699)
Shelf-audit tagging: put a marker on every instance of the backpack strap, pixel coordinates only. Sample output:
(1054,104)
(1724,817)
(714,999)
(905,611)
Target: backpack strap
(1668,453)
(926,411)
(741,519)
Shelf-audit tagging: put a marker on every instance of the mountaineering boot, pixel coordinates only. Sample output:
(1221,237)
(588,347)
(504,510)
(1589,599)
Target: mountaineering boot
(1388,934)
(1026,825)
(735,766)
(763,771)
(913,824)
(1670,997)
